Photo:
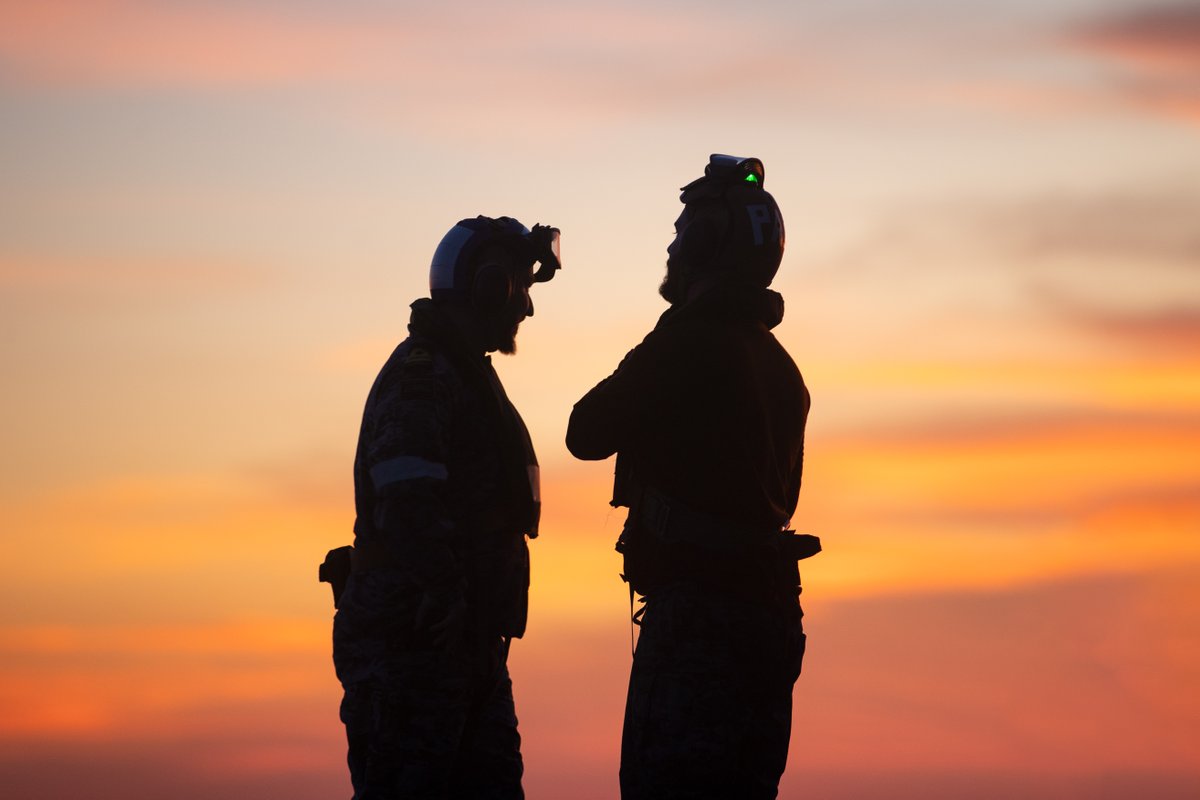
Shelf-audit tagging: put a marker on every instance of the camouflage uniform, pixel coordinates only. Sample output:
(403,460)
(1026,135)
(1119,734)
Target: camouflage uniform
(446,493)
(709,709)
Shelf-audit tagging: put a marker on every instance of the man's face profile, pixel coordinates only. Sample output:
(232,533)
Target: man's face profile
(672,287)
(503,324)
(697,234)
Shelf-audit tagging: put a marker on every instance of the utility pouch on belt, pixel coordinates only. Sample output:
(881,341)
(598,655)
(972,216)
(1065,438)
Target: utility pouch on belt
(335,570)
(671,522)
(645,561)
(801,545)
(660,529)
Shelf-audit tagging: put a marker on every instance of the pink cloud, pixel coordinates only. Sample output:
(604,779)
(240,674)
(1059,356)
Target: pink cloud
(505,72)
(1159,48)
(1163,38)
(141,43)
(1164,331)
(136,43)
(1066,688)
(1149,59)
(1049,681)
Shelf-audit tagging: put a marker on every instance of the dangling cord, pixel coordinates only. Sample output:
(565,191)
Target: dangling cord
(635,618)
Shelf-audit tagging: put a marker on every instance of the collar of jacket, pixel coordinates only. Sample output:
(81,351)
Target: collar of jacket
(431,322)
(729,300)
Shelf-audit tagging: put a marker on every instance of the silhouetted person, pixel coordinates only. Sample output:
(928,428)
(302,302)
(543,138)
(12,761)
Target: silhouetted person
(707,418)
(446,491)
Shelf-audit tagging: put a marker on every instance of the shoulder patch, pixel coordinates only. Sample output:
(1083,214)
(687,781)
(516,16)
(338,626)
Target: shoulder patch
(418,357)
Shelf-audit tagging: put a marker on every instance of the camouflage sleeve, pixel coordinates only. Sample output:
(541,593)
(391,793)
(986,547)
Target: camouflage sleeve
(606,417)
(406,456)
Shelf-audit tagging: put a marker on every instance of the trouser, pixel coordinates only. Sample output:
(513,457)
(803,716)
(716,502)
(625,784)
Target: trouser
(710,697)
(424,723)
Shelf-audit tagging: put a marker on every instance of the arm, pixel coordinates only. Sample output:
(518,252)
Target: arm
(604,418)
(403,463)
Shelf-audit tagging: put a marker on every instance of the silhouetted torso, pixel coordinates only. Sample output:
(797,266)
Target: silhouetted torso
(444,502)
(707,418)
(709,410)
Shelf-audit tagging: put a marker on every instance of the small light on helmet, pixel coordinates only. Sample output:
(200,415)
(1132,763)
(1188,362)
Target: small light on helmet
(735,169)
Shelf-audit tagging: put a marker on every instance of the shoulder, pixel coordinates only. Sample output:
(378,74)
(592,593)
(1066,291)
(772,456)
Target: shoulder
(416,369)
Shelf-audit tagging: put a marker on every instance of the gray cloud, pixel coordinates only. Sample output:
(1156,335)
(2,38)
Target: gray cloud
(1152,226)
(1124,264)
(1158,48)
(1171,328)
(1164,33)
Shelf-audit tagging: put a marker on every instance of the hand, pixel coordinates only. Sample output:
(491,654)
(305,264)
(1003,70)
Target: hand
(443,614)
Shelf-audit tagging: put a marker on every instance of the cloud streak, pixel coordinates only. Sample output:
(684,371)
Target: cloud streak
(132,43)
(1165,37)
(1117,265)
(483,50)
(532,65)
(120,282)
(1158,48)
(519,71)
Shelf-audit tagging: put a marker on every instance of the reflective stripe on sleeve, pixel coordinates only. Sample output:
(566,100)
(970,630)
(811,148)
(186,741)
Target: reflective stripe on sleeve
(405,468)
(535,482)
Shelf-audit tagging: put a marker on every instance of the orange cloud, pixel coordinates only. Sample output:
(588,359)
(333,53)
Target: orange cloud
(1006,681)
(276,637)
(129,681)
(1003,473)
(121,282)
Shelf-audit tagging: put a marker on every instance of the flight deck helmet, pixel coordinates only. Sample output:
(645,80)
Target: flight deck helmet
(730,222)
(460,271)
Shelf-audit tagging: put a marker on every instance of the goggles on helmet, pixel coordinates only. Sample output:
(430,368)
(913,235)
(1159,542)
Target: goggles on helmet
(453,266)
(735,169)
(723,173)
(543,241)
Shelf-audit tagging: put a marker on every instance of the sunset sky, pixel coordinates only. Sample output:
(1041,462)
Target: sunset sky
(213,216)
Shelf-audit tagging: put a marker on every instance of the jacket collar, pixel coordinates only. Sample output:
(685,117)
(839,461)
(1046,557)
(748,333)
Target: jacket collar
(731,300)
(430,321)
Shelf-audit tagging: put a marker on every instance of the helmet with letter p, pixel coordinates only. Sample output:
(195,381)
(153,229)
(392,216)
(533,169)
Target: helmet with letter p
(730,224)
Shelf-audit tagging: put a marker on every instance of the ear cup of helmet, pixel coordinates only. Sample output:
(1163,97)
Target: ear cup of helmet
(493,287)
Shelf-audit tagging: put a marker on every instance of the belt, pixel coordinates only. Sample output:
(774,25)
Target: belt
(673,522)
(368,555)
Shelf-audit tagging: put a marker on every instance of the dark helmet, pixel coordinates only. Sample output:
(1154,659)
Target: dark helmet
(457,274)
(734,224)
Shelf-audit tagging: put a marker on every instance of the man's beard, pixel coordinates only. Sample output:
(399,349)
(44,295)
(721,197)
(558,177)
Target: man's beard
(672,288)
(504,341)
